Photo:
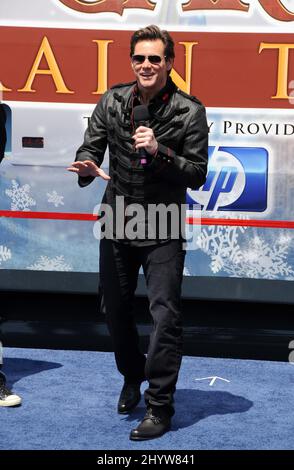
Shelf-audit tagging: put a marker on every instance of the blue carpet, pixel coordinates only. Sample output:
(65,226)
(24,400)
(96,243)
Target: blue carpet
(69,402)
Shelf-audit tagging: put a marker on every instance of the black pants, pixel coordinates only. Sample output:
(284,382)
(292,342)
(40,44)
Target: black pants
(163,269)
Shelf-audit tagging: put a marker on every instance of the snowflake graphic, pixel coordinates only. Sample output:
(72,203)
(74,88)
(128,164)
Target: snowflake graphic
(44,263)
(186,271)
(5,254)
(19,195)
(221,244)
(263,260)
(257,259)
(55,198)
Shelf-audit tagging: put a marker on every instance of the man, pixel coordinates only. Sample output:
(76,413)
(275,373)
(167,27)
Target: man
(7,398)
(174,143)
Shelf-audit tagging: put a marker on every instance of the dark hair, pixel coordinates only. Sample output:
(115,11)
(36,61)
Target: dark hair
(152,33)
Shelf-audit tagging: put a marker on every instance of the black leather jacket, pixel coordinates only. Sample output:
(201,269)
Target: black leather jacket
(179,123)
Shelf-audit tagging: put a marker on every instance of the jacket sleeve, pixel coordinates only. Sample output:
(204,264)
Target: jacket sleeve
(188,169)
(95,140)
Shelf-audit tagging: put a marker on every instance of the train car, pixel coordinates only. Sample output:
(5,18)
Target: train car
(59,56)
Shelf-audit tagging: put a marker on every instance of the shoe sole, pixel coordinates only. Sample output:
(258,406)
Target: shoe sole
(15,402)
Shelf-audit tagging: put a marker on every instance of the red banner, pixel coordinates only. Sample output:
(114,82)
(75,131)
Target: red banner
(75,66)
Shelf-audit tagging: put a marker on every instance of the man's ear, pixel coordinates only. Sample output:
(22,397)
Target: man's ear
(169,64)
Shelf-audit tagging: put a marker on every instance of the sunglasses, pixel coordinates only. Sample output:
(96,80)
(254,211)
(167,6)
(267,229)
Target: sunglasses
(140,59)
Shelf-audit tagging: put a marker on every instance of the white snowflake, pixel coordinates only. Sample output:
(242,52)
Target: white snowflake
(19,195)
(55,198)
(264,260)
(44,263)
(5,254)
(186,271)
(256,259)
(221,244)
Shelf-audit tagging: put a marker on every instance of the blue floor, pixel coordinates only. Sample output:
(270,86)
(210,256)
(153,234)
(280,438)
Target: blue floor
(69,402)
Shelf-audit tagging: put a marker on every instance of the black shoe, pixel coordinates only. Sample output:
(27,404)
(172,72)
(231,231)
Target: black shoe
(7,398)
(129,397)
(154,424)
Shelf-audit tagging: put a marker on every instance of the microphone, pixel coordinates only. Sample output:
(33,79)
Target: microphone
(141,117)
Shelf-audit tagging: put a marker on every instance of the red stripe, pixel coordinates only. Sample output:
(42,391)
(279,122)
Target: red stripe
(48,215)
(190,220)
(242,222)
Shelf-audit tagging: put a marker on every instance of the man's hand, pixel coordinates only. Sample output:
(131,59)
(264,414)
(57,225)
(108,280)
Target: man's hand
(144,138)
(88,168)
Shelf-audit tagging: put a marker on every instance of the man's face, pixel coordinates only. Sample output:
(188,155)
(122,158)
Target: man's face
(151,76)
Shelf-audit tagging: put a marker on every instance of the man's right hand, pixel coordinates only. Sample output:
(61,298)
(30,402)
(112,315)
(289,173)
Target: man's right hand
(88,168)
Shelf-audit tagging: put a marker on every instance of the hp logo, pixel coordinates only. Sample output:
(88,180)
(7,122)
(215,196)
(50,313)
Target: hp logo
(237,180)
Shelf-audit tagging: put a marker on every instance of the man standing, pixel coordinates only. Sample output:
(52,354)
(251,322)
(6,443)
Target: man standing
(174,140)
(7,398)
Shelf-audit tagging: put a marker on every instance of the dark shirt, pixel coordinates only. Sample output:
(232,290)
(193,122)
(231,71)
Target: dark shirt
(155,226)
